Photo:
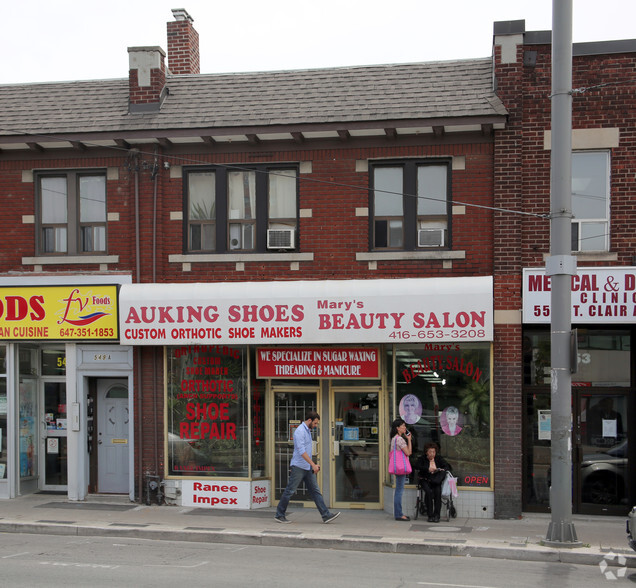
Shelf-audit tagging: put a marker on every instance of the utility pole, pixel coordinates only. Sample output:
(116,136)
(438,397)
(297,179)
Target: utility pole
(561,266)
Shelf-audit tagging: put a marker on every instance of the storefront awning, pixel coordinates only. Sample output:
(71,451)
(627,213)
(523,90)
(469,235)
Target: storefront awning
(429,310)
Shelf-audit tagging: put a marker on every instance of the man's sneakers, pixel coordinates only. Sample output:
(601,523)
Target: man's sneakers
(285,521)
(331,517)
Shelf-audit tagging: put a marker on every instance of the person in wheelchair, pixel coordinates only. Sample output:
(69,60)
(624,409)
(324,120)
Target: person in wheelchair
(432,469)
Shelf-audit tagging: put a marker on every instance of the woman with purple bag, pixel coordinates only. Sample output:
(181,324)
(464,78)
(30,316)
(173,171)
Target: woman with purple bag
(399,464)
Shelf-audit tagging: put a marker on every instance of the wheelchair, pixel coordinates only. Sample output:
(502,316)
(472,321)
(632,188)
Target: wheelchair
(448,509)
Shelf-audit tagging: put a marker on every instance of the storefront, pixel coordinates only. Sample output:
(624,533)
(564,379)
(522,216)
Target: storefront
(243,363)
(603,316)
(61,372)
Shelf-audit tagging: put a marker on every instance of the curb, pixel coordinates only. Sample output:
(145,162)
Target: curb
(281,539)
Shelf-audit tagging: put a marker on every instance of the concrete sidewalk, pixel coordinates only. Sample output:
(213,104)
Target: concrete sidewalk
(356,530)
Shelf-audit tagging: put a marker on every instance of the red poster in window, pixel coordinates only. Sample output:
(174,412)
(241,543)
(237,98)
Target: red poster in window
(324,362)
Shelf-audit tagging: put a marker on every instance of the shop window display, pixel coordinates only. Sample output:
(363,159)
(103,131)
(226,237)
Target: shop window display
(28,364)
(444,395)
(257,392)
(207,411)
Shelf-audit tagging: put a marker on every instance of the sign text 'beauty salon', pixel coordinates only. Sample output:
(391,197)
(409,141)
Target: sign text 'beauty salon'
(355,311)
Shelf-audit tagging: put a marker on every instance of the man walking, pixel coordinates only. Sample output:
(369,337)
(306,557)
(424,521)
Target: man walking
(302,468)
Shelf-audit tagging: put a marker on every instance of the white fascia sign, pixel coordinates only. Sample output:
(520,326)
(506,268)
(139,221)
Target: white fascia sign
(427,310)
(600,295)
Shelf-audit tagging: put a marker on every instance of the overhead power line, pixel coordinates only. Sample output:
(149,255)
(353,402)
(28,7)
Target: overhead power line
(188,161)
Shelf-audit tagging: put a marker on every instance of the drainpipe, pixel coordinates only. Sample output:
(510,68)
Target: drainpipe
(138,415)
(155,178)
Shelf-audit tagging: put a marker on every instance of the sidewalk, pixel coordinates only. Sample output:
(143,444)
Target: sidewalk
(355,530)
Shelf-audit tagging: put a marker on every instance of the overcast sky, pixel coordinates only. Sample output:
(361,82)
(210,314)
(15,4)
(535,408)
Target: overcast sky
(59,40)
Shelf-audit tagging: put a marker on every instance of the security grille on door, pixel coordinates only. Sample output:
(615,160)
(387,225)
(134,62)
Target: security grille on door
(280,238)
(430,238)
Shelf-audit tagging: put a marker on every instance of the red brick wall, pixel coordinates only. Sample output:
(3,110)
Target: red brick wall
(507,245)
(333,191)
(183,48)
(522,184)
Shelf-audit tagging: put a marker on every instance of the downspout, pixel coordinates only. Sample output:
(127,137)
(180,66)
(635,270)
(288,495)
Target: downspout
(155,174)
(138,414)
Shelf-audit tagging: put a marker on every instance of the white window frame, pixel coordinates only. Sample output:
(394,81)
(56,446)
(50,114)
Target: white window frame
(578,235)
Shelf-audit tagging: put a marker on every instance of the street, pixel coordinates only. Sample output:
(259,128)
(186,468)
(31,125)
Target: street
(29,560)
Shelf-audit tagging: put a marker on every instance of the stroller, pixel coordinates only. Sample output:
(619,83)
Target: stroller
(448,510)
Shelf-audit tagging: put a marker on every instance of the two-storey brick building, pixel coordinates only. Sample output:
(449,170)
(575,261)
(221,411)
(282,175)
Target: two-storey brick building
(603,311)
(192,261)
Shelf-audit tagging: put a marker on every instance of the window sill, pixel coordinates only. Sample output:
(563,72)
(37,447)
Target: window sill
(239,257)
(410,255)
(71,260)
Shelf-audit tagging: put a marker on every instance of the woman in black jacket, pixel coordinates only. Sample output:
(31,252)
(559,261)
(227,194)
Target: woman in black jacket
(432,471)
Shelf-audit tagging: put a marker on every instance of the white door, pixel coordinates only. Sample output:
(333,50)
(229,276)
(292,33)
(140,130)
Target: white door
(112,436)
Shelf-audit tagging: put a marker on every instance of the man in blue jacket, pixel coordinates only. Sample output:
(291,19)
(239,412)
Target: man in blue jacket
(302,467)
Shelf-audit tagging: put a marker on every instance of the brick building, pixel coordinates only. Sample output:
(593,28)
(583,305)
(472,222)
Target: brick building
(192,261)
(603,187)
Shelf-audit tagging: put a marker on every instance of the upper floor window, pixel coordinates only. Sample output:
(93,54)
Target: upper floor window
(254,208)
(71,212)
(411,205)
(590,200)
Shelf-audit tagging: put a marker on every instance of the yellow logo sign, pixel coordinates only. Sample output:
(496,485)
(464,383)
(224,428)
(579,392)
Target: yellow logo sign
(59,312)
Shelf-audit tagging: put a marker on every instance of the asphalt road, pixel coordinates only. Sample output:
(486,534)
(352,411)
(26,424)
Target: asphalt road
(52,561)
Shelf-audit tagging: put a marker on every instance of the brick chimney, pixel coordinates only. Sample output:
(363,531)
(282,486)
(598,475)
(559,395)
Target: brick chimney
(146,78)
(183,44)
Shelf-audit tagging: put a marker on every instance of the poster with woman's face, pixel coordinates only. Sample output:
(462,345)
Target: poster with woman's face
(410,409)
(451,421)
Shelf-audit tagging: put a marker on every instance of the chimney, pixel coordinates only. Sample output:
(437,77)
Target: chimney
(183,44)
(146,78)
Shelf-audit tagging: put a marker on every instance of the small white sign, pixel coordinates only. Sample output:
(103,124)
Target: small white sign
(609,428)
(52,445)
(545,425)
(260,494)
(221,494)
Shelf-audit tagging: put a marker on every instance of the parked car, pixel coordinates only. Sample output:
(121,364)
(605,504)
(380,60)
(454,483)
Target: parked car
(603,475)
(631,529)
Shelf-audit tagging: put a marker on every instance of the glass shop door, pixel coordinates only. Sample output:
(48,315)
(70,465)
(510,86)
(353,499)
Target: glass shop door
(291,404)
(355,447)
(600,456)
(53,446)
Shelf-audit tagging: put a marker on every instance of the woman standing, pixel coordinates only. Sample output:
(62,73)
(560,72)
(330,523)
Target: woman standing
(400,441)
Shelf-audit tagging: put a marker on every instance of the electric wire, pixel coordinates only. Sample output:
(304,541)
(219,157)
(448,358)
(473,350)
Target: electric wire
(178,159)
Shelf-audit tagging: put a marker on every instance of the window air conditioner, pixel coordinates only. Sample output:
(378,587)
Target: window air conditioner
(280,238)
(430,237)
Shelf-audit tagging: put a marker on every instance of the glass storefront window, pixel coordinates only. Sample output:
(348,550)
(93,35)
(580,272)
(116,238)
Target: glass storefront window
(443,392)
(536,454)
(28,422)
(207,408)
(53,362)
(258,422)
(28,361)
(603,358)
